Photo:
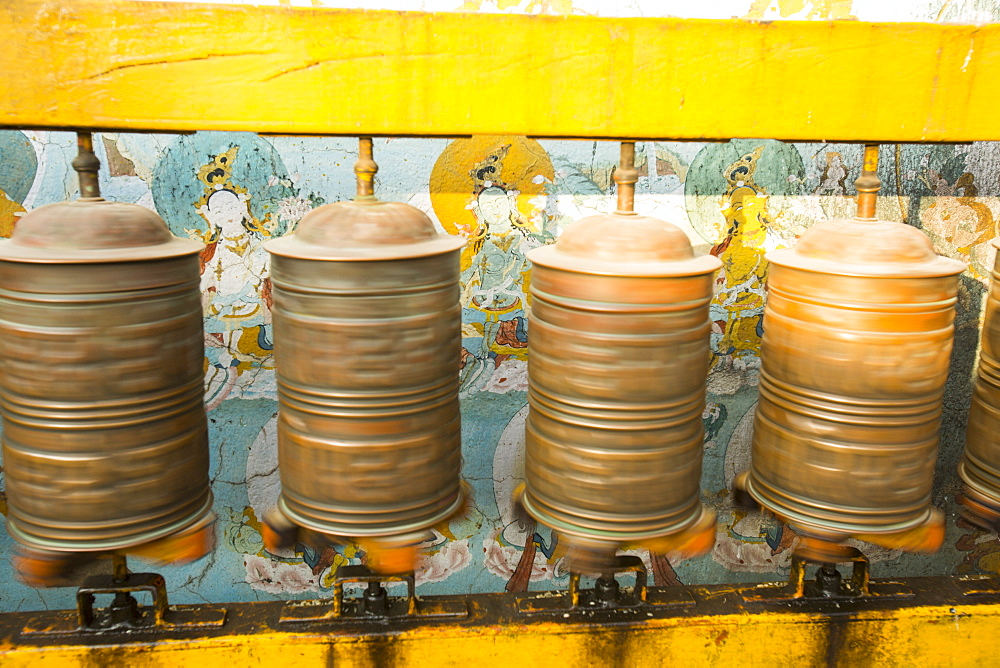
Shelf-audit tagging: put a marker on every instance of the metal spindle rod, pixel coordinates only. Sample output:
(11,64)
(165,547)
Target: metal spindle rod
(86,165)
(625,177)
(365,169)
(119,568)
(868,184)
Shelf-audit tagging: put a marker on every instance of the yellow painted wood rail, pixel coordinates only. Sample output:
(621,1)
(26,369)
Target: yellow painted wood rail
(937,625)
(125,65)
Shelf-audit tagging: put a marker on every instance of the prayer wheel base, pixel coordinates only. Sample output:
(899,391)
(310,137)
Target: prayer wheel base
(979,510)
(49,568)
(385,555)
(598,554)
(927,536)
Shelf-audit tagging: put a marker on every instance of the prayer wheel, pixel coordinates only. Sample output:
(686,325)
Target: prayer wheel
(367,326)
(857,339)
(618,358)
(105,444)
(980,465)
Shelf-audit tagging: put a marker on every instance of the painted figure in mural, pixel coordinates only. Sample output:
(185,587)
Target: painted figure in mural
(20,164)
(739,197)
(497,277)
(748,238)
(486,204)
(235,285)
(232,192)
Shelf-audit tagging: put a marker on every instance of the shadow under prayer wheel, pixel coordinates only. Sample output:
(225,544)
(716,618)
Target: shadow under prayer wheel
(980,465)
(617,365)
(105,444)
(857,338)
(367,326)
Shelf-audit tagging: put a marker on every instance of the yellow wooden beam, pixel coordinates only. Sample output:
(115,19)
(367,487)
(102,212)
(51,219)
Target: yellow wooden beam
(125,65)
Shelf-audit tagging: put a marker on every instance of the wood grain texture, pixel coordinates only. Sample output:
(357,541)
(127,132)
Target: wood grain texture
(125,65)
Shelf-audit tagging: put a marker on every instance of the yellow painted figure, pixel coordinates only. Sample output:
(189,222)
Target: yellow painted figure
(744,269)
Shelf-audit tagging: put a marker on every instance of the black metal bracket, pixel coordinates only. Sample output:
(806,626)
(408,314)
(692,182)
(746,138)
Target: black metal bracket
(607,594)
(124,612)
(828,583)
(375,603)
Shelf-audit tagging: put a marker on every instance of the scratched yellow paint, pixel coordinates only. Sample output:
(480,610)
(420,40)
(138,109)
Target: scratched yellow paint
(120,64)
(919,636)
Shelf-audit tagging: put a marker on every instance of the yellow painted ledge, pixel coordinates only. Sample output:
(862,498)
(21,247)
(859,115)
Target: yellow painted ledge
(125,65)
(911,622)
(922,636)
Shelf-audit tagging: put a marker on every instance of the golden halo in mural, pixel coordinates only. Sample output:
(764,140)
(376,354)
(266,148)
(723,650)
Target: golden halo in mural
(475,174)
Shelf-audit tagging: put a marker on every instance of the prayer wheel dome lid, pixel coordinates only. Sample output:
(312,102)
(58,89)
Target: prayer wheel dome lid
(858,247)
(93,230)
(364,229)
(624,245)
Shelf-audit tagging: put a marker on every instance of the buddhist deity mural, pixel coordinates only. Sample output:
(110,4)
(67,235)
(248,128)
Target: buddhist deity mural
(506,195)
(749,235)
(492,191)
(743,224)
(232,192)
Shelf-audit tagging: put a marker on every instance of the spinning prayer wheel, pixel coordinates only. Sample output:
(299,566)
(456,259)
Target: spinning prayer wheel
(105,444)
(618,358)
(980,465)
(367,327)
(857,339)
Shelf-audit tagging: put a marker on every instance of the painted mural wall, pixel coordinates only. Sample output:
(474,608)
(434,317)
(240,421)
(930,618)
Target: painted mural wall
(506,195)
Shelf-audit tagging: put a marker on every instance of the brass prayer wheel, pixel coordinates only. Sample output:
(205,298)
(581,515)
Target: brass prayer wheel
(980,465)
(105,443)
(857,338)
(618,358)
(367,326)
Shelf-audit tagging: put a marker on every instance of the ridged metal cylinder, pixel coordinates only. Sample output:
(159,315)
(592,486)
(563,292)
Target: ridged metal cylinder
(105,442)
(618,358)
(367,327)
(857,338)
(980,465)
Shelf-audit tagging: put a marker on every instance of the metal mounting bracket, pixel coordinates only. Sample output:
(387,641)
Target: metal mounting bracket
(125,613)
(375,603)
(828,583)
(606,595)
